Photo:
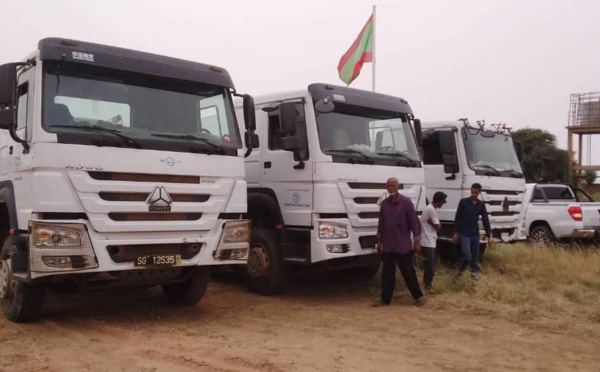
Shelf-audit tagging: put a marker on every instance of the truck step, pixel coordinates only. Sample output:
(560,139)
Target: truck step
(296,260)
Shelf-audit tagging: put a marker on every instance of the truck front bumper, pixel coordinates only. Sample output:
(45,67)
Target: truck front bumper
(117,252)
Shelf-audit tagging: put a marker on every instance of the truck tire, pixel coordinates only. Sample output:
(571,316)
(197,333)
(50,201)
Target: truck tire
(21,302)
(541,234)
(191,291)
(266,273)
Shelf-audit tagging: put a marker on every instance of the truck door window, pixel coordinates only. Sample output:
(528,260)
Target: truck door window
(537,195)
(213,119)
(432,153)
(275,131)
(559,193)
(22,108)
(93,112)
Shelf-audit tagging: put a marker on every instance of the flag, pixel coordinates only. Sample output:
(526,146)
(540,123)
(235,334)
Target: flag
(360,52)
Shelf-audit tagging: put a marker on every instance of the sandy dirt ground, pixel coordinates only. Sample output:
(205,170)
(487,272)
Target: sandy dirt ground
(323,325)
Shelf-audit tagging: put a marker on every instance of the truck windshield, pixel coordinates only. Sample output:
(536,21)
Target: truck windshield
(493,156)
(367,135)
(82,103)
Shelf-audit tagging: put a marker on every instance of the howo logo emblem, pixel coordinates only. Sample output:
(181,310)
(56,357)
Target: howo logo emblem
(159,200)
(505,204)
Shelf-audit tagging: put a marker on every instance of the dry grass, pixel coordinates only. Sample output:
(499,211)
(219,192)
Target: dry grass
(549,287)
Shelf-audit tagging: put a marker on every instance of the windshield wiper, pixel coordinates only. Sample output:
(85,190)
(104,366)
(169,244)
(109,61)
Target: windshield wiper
(400,155)
(193,138)
(353,151)
(130,141)
(488,167)
(513,171)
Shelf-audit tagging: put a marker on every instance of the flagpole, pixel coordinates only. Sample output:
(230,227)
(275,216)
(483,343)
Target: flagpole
(373,49)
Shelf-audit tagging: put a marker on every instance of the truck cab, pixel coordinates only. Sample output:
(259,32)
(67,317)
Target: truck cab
(313,183)
(456,155)
(117,167)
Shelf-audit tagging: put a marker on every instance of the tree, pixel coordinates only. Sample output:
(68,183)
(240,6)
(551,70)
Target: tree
(542,160)
(589,176)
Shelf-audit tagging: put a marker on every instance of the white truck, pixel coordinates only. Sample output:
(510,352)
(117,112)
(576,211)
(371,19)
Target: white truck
(553,212)
(456,155)
(313,183)
(117,167)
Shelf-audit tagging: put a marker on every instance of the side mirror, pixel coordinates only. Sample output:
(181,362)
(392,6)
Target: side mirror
(288,117)
(291,143)
(519,150)
(448,149)
(251,140)
(8,88)
(418,132)
(249,113)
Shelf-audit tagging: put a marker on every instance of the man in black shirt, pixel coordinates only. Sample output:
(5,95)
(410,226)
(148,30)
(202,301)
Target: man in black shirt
(466,227)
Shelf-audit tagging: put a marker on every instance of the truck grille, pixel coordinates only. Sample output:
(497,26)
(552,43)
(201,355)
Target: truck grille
(116,201)
(503,207)
(360,199)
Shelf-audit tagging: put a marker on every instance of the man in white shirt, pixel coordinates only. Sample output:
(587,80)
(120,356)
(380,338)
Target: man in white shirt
(430,225)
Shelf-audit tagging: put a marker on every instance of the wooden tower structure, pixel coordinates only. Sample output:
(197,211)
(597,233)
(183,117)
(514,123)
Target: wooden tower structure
(584,119)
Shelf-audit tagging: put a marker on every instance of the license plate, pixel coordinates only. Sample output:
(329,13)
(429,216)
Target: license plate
(504,236)
(158,260)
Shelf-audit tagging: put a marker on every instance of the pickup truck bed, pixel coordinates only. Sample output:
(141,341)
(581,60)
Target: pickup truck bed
(558,211)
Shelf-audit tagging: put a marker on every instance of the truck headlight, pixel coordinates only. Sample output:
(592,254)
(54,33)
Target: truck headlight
(330,230)
(55,236)
(60,247)
(235,241)
(236,232)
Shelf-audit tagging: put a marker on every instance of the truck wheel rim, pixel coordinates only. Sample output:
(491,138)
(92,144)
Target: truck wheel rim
(258,261)
(6,284)
(541,236)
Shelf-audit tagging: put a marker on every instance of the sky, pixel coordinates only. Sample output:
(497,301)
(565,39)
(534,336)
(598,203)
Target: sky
(503,61)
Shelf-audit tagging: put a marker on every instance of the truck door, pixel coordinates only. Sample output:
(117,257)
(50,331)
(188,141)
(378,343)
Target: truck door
(287,173)
(253,161)
(11,153)
(442,169)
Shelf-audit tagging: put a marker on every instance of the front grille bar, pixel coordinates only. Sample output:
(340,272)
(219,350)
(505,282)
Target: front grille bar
(141,197)
(143,177)
(154,216)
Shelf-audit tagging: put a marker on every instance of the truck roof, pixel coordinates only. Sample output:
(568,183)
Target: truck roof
(132,60)
(341,94)
(441,124)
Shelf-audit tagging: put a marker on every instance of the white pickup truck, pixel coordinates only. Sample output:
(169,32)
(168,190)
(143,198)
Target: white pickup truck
(558,211)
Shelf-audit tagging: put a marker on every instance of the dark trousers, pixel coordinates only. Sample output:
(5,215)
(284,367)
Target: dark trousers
(388,275)
(428,266)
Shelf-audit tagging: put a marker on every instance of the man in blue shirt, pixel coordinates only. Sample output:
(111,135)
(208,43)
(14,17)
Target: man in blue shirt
(466,227)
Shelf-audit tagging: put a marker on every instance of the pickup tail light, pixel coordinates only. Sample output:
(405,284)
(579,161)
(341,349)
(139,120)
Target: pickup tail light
(576,213)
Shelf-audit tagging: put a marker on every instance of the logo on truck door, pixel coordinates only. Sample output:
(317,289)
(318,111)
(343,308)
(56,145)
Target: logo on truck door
(159,200)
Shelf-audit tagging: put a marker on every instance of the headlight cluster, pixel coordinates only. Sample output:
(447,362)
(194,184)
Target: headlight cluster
(235,241)
(60,247)
(53,236)
(236,232)
(330,230)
